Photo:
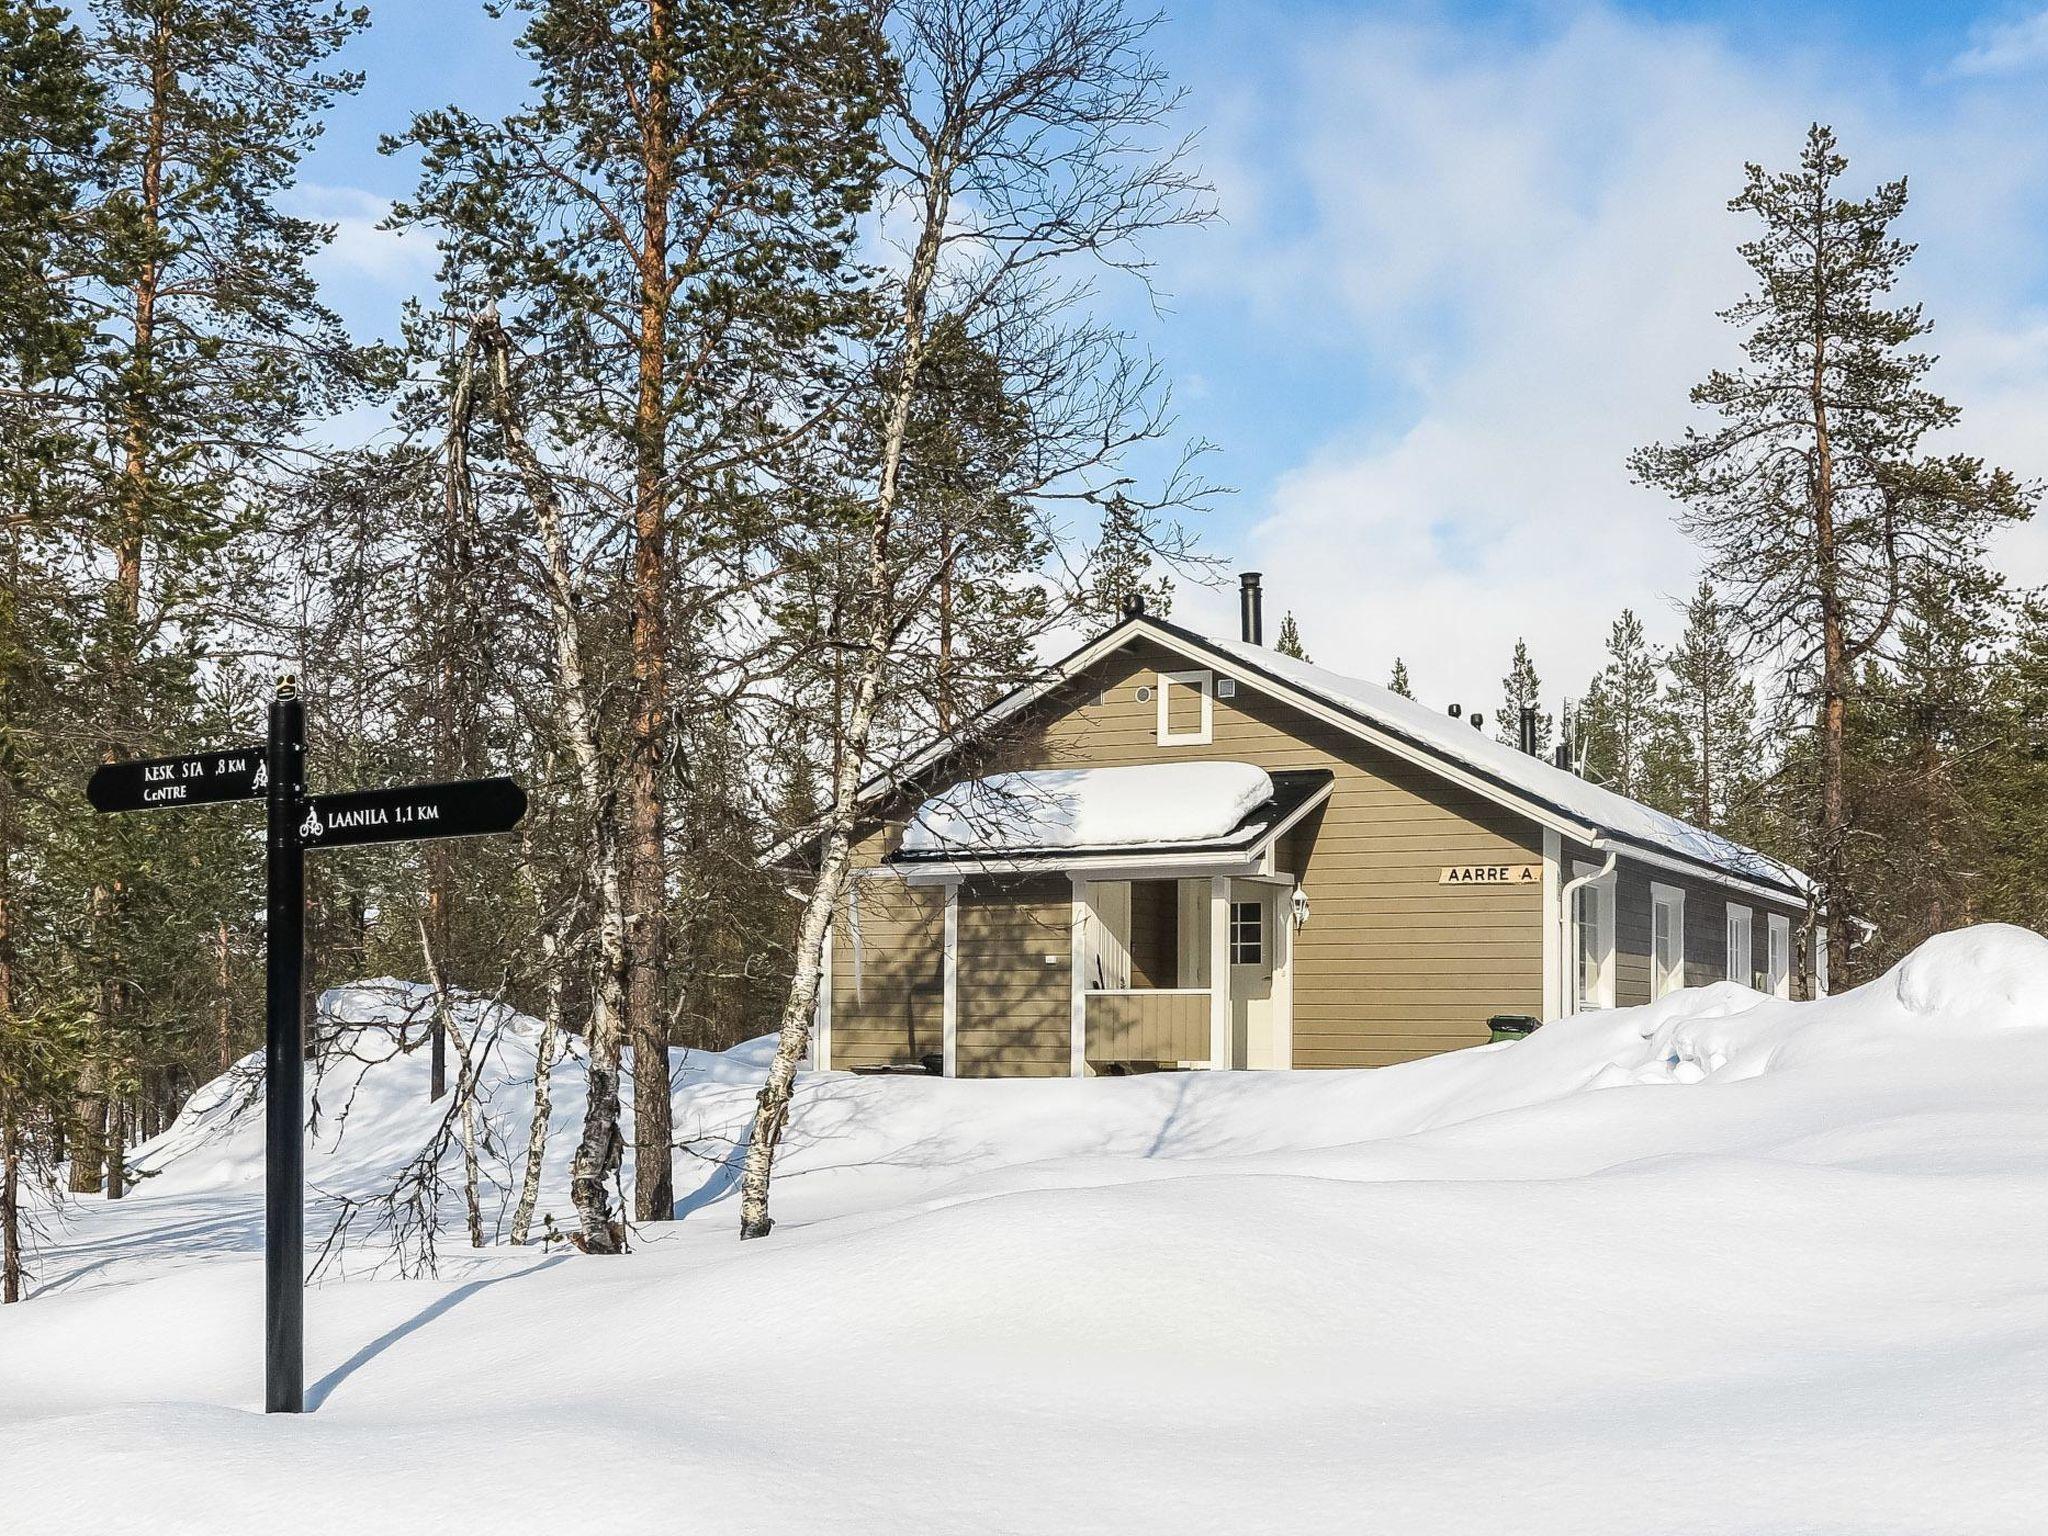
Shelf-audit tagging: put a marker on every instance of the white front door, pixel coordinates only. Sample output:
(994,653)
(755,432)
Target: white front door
(1254,943)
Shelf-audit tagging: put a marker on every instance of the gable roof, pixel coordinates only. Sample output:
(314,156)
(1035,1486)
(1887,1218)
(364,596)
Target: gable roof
(1555,798)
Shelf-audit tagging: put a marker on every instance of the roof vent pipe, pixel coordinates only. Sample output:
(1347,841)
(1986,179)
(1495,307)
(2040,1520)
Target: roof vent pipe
(1456,710)
(1251,616)
(1529,729)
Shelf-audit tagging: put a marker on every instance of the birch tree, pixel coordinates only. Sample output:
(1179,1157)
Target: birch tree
(1022,137)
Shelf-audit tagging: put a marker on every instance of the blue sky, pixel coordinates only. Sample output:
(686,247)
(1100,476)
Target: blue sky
(1470,255)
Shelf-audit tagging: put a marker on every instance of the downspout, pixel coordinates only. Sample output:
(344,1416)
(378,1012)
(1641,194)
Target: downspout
(1565,951)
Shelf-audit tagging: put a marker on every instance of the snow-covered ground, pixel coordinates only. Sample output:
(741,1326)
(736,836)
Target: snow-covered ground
(1724,1264)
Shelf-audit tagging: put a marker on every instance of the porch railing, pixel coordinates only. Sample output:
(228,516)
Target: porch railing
(1148,1024)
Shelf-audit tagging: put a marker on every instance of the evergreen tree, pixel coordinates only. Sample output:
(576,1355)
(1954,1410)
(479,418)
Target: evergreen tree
(1810,487)
(1522,689)
(1615,717)
(1121,569)
(1702,756)
(1398,683)
(1288,641)
(209,352)
(1930,754)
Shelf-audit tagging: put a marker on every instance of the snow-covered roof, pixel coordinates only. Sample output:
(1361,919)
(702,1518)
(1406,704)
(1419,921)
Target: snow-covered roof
(1577,797)
(1149,805)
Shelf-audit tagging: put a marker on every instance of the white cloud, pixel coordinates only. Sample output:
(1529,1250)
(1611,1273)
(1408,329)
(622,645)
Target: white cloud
(2005,47)
(362,251)
(1534,240)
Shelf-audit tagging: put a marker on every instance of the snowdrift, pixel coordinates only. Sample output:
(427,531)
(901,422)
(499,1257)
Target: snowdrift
(1725,1263)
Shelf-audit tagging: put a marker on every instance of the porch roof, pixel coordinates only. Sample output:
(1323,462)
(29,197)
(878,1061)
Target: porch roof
(1085,816)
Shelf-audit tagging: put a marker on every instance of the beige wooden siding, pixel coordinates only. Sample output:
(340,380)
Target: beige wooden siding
(888,1007)
(1015,1003)
(1163,1027)
(1392,965)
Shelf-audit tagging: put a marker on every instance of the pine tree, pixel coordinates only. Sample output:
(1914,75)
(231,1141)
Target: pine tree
(1702,756)
(1615,717)
(210,350)
(1810,487)
(672,220)
(1522,689)
(1288,641)
(1398,683)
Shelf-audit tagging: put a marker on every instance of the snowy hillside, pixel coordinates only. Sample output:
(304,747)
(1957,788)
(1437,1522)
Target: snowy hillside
(1724,1264)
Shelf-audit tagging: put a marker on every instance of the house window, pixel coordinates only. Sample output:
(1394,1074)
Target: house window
(1186,708)
(1593,941)
(1667,939)
(1778,972)
(1741,966)
(1247,933)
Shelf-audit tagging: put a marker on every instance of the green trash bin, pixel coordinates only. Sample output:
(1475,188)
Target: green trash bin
(1511,1026)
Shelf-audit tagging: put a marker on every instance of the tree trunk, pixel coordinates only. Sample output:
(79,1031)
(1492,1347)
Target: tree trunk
(87,1139)
(10,1122)
(599,1152)
(543,1090)
(645,854)
(223,1019)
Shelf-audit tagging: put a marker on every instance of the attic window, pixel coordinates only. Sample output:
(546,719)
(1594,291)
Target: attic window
(1186,708)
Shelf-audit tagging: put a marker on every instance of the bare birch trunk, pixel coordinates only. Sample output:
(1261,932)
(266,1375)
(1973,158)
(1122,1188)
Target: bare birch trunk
(543,1093)
(793,1040)
(599,1153)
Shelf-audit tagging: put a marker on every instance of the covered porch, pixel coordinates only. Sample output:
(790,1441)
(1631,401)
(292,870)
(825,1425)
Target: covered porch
(1123,950)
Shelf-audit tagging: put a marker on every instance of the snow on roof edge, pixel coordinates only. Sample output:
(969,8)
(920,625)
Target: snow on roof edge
(1607,811)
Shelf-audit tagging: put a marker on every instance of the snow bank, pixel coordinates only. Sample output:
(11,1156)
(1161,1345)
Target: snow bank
(1725,1264)
(1089,808)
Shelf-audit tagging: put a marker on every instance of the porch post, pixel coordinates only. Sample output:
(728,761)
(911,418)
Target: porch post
(950,1014)
(1077,1020)
(1219,972)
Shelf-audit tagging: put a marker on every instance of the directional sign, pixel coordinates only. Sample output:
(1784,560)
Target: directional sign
(276,773)
(163,783)
(465,808)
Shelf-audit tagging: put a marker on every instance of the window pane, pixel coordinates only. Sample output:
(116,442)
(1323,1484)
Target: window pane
(1247,932)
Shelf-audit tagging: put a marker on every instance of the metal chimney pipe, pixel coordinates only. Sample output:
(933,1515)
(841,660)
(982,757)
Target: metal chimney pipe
(1250,609)
(1529,729)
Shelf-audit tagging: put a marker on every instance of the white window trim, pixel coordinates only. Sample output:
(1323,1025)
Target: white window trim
(1820,959)
(1204,682)
(1740,918)
(1671,898)
(1777,972)
(1603,991)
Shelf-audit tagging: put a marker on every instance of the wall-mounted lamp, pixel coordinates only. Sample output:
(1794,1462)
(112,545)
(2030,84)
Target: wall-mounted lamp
(1299,903)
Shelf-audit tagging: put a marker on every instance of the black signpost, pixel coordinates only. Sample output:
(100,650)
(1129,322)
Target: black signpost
(276,773)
